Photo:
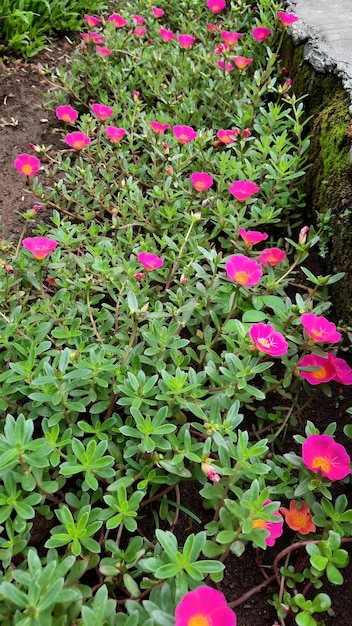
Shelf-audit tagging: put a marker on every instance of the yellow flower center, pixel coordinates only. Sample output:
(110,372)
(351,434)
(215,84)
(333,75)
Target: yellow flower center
(183,137)
(264,342)
(66,117)
(241,277)
(199,620)
(200,186)
(320,373)
(258,523)
(27,169)
(78,145)
(322,463)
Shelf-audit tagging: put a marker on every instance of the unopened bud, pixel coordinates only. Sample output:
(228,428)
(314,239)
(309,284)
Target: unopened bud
(302,237)
(246,132)
(209,471)
(183,279)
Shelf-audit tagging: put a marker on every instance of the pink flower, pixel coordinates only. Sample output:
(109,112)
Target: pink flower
(139,276)
(204,606)
(102,111)
(319,328)
(246,133)
(117,20)
(242,62)
(272,256)
(287,18)
(139,31)
(227,67)
(115,134)
(251,237)
(201,181)
(184,134)
(66,113)
(135,95)
(322,453)
(77,140)
(91,20)
(158,127)
(268,340)
(324,371)
(215,6)
(274,528)
(137,18)
(157,12)
(343,372)
(209,471)
(150,261)
(227,136)
(103,52)
(243,270)
(166,35)
(27,164)
(221,48)
(230,38)
(212,28)
(243,189)
(40,247)
(260,33)
(186,41)
(93,37)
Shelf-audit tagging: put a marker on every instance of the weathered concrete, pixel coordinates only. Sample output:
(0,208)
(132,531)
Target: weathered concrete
(326,28)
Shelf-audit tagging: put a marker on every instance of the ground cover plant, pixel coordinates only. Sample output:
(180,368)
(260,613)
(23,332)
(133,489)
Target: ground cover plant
(158,335)
(25,25)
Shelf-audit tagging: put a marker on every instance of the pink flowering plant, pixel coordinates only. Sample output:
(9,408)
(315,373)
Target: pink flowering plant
(162,332)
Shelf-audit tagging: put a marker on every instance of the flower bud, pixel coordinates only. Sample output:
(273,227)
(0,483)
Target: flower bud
(302,238)
(209,471)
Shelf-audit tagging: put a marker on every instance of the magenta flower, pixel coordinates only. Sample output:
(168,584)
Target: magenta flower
(103,52)
(77,140)
(272,256)
(150,261)
(115,134)
(186,41)
(227,67)
(212,28)
(137,18)
(166,35)
(91,20)
(268,340)
(204,606)
(215,6)
(27,164)
(243,189)
(321,453)
(139,31)
(287,18)
(230,38)
(201,181)
(209,471)
(227,136)
(158,127)
(260,33)
(102,111)
(40,247)
(274,528)
(343,372)
(117,20)
(157,12)
(242,62)
(66,113)
(243,270)
(221,48)
(93,37)
(319,328)
(251,237)
(246,133)
(323,372)
(184,134)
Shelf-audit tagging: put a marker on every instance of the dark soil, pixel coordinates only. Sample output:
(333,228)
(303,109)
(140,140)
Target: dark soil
(24,120)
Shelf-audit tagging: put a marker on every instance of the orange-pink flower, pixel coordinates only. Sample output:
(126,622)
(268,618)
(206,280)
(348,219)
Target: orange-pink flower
(230,38)
(201,181)
(91,20)
(150,261)
(186,41)
(319,328)
(115,134)
(260,33)
(139,31)
(77,140)
(117,20)
(272,256)
(102,111)
(243,270)
(66,113)
(321,453)
(40,247)
(268,340)
(93,37)
(274,528)
(137,18)
(27,164)
(299,518)
(251,237)
(323,371)
(287,18)
(103,52)
(184,134)
(228,136)
(158,127)
(243,189)
(242,62)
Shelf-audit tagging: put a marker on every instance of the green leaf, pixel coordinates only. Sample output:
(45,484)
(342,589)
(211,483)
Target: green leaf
(168,571)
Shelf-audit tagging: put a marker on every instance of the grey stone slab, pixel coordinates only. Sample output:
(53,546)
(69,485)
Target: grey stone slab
(326,28)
